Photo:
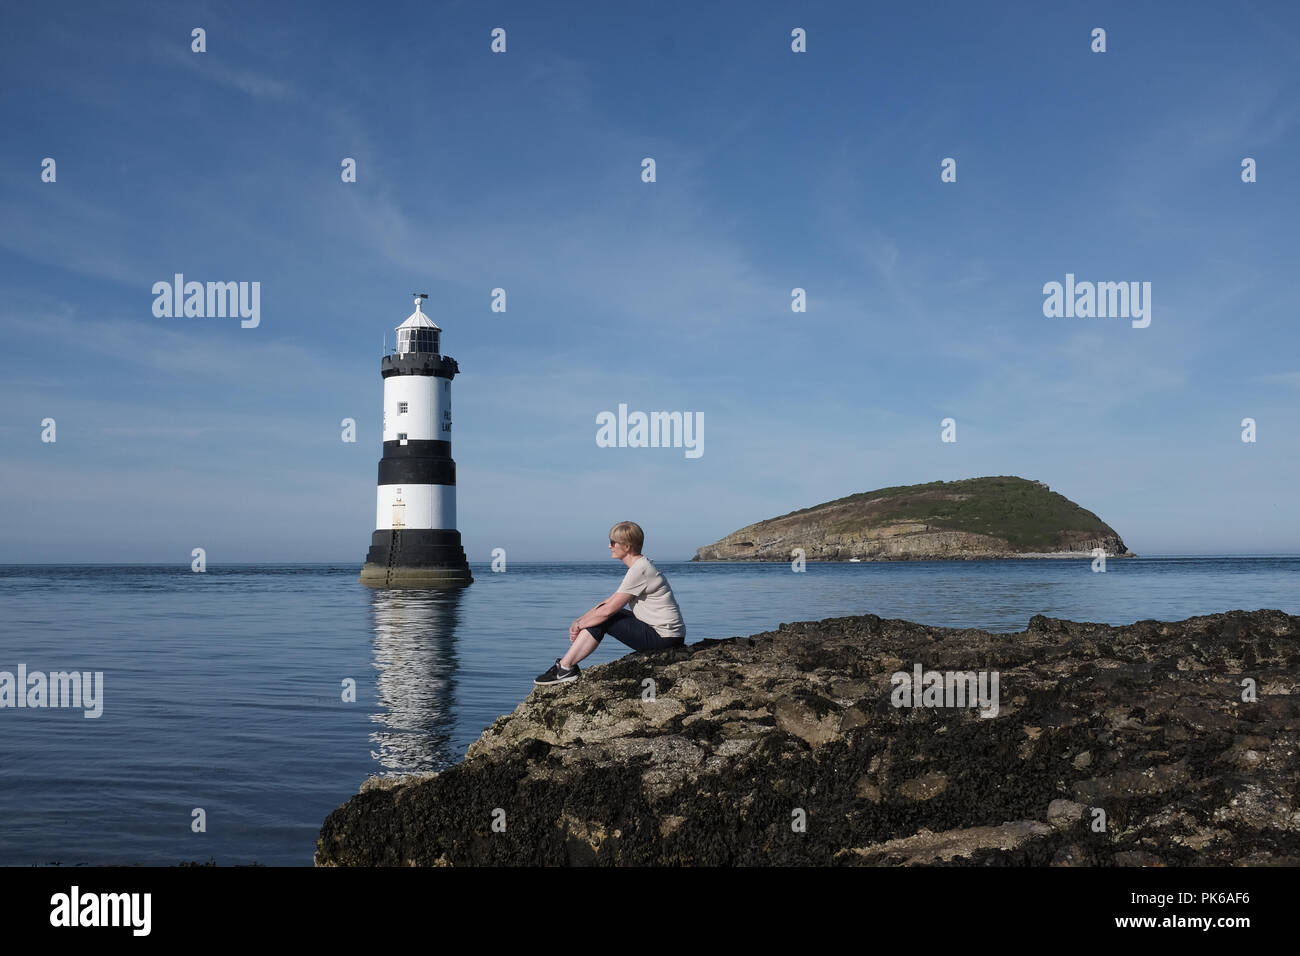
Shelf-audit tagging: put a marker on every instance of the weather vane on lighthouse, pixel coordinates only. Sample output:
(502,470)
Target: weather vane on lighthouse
(416,543)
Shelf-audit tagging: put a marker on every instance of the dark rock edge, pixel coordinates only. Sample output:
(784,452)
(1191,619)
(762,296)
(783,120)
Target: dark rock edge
(1144,722)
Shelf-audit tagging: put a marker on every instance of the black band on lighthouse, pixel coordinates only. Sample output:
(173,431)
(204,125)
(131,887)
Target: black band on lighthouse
(417,548)
(418,363)
(417,471)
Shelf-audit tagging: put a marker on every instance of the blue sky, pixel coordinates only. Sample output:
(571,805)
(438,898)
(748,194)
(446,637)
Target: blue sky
(522,170)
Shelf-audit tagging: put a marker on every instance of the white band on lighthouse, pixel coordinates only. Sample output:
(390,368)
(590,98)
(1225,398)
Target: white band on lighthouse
(416,506)
(417,407)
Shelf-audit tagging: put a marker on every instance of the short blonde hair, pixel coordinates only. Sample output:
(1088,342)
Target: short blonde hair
(628,534)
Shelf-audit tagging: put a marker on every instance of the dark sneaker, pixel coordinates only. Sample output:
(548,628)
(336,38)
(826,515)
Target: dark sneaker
(558,675)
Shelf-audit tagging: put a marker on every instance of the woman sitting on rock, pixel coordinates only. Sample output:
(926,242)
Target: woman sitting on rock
(654,622)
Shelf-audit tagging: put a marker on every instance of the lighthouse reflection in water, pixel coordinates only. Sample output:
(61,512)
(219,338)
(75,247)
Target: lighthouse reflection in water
(415,654)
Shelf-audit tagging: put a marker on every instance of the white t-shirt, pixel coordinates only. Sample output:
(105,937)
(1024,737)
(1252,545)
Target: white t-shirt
(652,599)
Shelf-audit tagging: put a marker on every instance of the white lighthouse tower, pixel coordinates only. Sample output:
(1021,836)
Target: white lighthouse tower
(416,543)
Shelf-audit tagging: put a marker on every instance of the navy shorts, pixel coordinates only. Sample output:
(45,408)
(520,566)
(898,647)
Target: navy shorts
(633,632)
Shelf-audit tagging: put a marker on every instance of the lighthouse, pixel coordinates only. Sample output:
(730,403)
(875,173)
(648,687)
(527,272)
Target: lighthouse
(416,544)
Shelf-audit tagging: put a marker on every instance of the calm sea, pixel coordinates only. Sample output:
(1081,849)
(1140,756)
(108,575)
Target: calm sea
(223,691)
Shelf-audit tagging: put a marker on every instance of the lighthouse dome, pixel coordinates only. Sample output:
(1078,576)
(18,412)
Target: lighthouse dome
(418,333)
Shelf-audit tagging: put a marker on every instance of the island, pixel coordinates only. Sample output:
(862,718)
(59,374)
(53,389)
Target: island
(1003,516)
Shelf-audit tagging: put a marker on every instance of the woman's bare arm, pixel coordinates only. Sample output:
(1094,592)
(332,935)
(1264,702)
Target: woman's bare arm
(603,611)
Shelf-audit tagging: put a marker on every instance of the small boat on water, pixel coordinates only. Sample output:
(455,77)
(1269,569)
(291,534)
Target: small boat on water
(855,560)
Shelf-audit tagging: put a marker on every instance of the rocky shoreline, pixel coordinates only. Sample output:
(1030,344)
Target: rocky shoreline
(1156,743)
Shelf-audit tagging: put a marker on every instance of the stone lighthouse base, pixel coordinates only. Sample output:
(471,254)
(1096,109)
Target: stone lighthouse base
(416,558)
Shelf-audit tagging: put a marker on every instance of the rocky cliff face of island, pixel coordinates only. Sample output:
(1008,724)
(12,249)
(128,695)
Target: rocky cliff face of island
(1154,743)
(1000,517)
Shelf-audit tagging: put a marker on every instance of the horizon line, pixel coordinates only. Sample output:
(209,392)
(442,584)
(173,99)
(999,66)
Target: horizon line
(1083,555)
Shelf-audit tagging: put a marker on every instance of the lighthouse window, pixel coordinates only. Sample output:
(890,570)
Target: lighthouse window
(417,340)
(401,408)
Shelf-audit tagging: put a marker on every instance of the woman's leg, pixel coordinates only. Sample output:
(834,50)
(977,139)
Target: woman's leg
(581,647)
(589,638)
(637,634)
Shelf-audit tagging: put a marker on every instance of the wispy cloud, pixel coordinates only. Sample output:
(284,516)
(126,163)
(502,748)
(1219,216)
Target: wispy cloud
(1291,379)
(168,345)
(215,68)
